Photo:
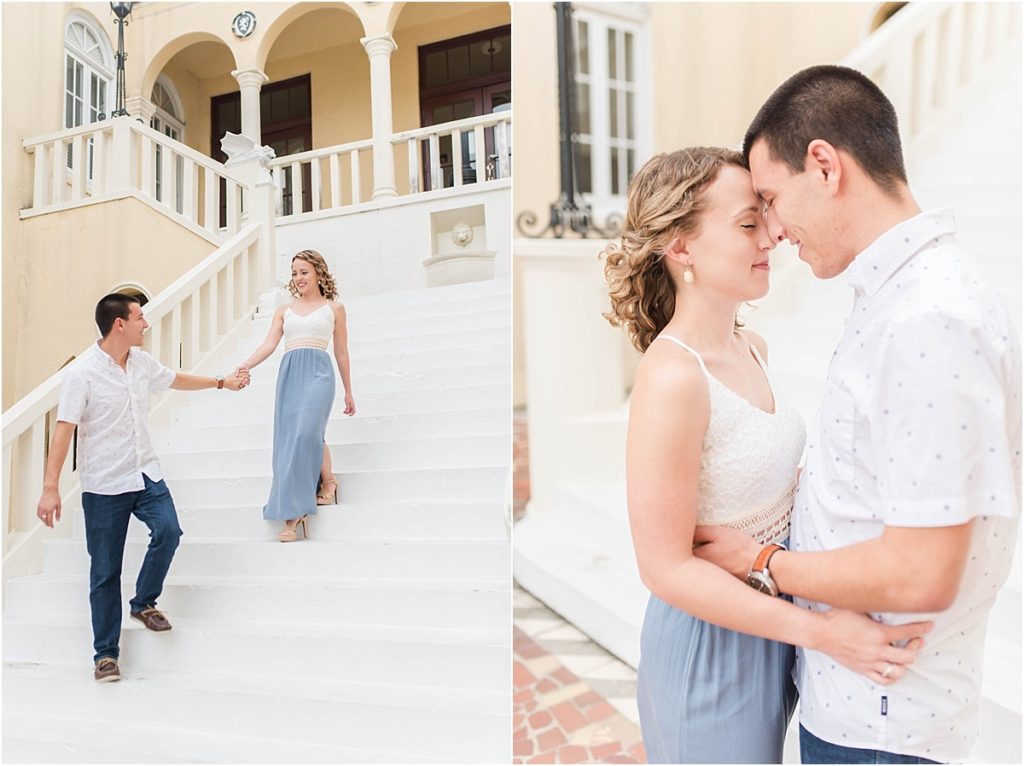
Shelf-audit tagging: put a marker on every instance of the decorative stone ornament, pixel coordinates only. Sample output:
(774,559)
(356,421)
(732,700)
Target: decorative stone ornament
(462,234)
(243,24)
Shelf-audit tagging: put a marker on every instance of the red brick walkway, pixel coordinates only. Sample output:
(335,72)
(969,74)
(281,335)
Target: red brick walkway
(559,718)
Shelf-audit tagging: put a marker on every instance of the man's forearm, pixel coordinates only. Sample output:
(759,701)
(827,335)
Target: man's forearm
(185,382)
(904,570)
(59,445)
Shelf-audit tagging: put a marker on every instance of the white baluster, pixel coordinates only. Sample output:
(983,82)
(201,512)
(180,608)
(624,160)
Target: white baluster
(211,188)
(357,194)
(457,158)
(168,177)
(147,180)
(436,180)
(296,187)
(8,471)
(223,301)
(40,178)
(189,197)
(99,162)
(414,165)
(207,314)
(58,170)
(335,166)
(79,164)
(314,182)
(232,205)
(501,148)
(480,147)
(189,331)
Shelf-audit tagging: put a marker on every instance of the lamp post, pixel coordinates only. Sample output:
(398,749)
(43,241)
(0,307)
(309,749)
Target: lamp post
(569,212)
(122,11)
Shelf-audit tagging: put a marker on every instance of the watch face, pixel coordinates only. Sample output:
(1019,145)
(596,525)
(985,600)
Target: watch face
(761,582)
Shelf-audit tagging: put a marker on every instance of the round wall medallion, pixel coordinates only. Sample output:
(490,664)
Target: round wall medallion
(244,24)
(462,234)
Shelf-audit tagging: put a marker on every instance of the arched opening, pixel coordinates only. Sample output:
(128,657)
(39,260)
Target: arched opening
(88,75)
(885,12)
(134,291)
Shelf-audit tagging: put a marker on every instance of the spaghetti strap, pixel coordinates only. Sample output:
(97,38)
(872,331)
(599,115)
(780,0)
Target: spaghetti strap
(679,343)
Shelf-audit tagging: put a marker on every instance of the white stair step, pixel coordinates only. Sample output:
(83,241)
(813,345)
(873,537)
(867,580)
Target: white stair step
(399,522)
(471,561)
(434,366)
(233,409)
(600,508)
(352,720)
(454,452)
(402,603)
(355,430)
(448,295)
(476,484)
(387,655)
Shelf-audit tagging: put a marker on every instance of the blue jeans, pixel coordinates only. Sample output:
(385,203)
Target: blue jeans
(814,750)
(106,528)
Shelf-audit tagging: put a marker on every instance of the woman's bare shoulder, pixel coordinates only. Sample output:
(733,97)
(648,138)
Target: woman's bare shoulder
(759,343)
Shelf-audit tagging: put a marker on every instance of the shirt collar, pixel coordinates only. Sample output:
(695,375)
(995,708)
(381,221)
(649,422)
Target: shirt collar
(873,267)
(106,358)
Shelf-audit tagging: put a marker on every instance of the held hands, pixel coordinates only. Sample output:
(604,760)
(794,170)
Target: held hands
(727,548)
(48,509)
(350,404)
(238,380)
(866,647)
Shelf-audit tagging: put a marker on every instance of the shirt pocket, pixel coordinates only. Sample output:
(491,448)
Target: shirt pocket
(838,416)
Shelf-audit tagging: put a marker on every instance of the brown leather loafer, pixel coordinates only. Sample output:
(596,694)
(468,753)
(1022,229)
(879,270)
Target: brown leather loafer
(153,619)
(107,670)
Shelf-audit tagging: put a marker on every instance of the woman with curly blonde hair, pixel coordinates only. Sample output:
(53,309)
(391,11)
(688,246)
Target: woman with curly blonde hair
(305,392)
(712,441)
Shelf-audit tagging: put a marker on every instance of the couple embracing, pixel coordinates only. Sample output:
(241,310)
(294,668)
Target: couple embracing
(868,577)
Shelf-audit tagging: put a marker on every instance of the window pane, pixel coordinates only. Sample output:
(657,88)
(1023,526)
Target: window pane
(300,100)
(630,114)
(296,145)
(79,72)
(583,174)
(628,55)
(583,106)
(278,105)
(612,57)
(630,164)
(437,68)
(582,47)
(613,113)
(480,53)
(615,171)
(102,101)
(502,61)
(78,112)
(442,114)
(463,110)
(458,63)
(69,75)
(69,110)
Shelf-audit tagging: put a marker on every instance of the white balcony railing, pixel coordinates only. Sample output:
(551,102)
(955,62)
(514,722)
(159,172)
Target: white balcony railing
(321,179)
(188,323)
(122,157)
(927,56)
(455,154)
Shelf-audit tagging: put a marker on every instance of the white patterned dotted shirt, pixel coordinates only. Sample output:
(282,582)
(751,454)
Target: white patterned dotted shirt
(110,406)
(920,426)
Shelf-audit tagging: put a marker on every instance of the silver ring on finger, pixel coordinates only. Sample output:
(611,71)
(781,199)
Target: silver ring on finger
(889,668)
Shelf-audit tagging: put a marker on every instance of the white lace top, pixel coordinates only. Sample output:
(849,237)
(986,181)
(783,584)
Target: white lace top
(749,460)
(312,330)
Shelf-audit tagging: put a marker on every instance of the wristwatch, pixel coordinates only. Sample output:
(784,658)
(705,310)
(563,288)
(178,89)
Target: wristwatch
(759,578)
(220,381)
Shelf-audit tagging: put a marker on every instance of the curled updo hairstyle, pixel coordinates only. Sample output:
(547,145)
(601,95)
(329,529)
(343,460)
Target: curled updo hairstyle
(328,288)
(666,198)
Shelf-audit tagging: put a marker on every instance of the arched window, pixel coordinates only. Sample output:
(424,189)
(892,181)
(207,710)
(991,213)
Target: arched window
(88,72)
(169,119)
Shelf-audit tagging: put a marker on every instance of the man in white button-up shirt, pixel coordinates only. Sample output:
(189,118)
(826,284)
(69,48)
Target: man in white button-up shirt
(106,395)
(909,499)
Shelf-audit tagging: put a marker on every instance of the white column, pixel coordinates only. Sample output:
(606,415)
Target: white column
(379,48)
(250,81)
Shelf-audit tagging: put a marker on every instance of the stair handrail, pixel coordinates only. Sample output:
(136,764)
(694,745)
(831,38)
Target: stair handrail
(928,55)
(189,320)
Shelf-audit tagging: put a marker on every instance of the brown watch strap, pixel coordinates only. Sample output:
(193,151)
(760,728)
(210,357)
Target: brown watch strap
(761,562)
(220,383)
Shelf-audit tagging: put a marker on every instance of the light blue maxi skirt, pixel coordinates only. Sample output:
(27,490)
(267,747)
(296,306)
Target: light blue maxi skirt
(305,393)
(711,695)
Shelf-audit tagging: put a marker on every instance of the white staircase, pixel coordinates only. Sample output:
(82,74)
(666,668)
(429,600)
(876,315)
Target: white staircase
(575,553)
(386,637)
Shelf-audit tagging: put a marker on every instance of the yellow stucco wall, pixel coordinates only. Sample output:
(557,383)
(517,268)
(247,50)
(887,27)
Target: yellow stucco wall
(62,263)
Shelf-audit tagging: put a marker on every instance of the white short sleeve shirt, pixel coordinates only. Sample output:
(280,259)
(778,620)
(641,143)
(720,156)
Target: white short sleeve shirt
(920,426)
(110,406)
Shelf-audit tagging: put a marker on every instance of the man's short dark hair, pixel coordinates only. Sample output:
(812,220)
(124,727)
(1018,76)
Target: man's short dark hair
(838,105)
(111,307)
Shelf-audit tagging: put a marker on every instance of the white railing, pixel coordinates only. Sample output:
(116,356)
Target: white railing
(121,157)
(188,320)
(322,179)
(458,153)
(928,55)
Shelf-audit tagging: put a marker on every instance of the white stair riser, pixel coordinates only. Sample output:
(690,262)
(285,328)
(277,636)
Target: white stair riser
(438,453)
(477,484)
(486,562)
(612,534)
(397,607)
(230,412)
(365,368)
(324,722)
(354,430)
(399,523)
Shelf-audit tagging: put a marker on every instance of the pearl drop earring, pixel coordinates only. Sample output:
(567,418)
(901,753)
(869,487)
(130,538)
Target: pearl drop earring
(688,275)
